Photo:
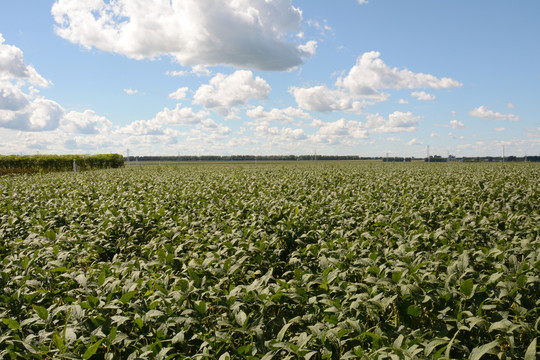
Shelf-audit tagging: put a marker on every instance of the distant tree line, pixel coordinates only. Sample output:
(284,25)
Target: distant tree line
(183,158)
(50,163)
(397,159)
(433,158)
(437,158)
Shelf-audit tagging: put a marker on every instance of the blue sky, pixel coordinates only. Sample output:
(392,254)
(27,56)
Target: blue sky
(195,77)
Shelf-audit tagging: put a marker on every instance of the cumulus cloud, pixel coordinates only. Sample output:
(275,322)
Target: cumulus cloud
(180,116)
(286,115)
(12,66)
(363,84)
(199,70)
(423,96)
(242,33)
(39,115)
(484,113)
(402,101)
(397,122)
(276,134)
(141,127)
(370,73)
(339,132)
(131,91)
(21,108)
(455,124)
(499,129)
(224,92)
(179,94)
(11,97)
(87,122)
(414,141)
(321,98)
(511,106)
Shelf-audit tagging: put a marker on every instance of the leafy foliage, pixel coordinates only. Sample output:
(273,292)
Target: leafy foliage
(272,261)
(15,164)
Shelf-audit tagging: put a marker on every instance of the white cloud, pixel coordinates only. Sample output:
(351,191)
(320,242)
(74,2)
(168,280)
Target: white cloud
(242,33)
(434,135)
(423,96)
(179,94)
(131,91)
(12,66)
(86,122)
(11,97)
(214,127)
(455,124)
(339,132)
(414,141)
(177,73)
(321,98)
(511,106)
(397,122)
(199,70)
(361,2)
(484,113)
(224,92)
(286,115)
(141,127)
(280,135)
(21,107)
(402,101)
(362,85)
(180,116)
(39,115)
(310,47)
(370,74)
(499,129)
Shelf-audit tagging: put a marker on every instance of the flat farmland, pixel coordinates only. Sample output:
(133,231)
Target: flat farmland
(291,260)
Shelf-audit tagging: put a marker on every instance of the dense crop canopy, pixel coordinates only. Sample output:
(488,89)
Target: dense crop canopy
(272,261)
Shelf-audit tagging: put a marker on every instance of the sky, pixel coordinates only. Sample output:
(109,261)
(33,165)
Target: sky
(270,77)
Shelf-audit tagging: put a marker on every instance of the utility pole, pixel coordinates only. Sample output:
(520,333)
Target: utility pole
(428,159)
(503,153)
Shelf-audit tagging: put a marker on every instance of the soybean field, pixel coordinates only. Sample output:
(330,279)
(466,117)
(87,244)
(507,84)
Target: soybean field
(296,260)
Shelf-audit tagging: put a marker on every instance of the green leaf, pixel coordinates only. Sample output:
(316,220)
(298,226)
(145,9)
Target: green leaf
(12,324)
(200,306)
(93,301)
(414,310)
(139,322)
(467,287)
(479,351)
(240,318)
(531,351)
(58,341)
(92,350)
(178,338)
(225,356)
(41,311)
(112,333)
(127,297)
(101,279)
(433,345)
(282,332)
(396,276)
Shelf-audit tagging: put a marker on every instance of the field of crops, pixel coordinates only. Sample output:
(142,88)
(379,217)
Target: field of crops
(314,260)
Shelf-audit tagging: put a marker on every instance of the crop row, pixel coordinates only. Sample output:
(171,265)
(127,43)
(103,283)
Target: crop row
(272,261)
